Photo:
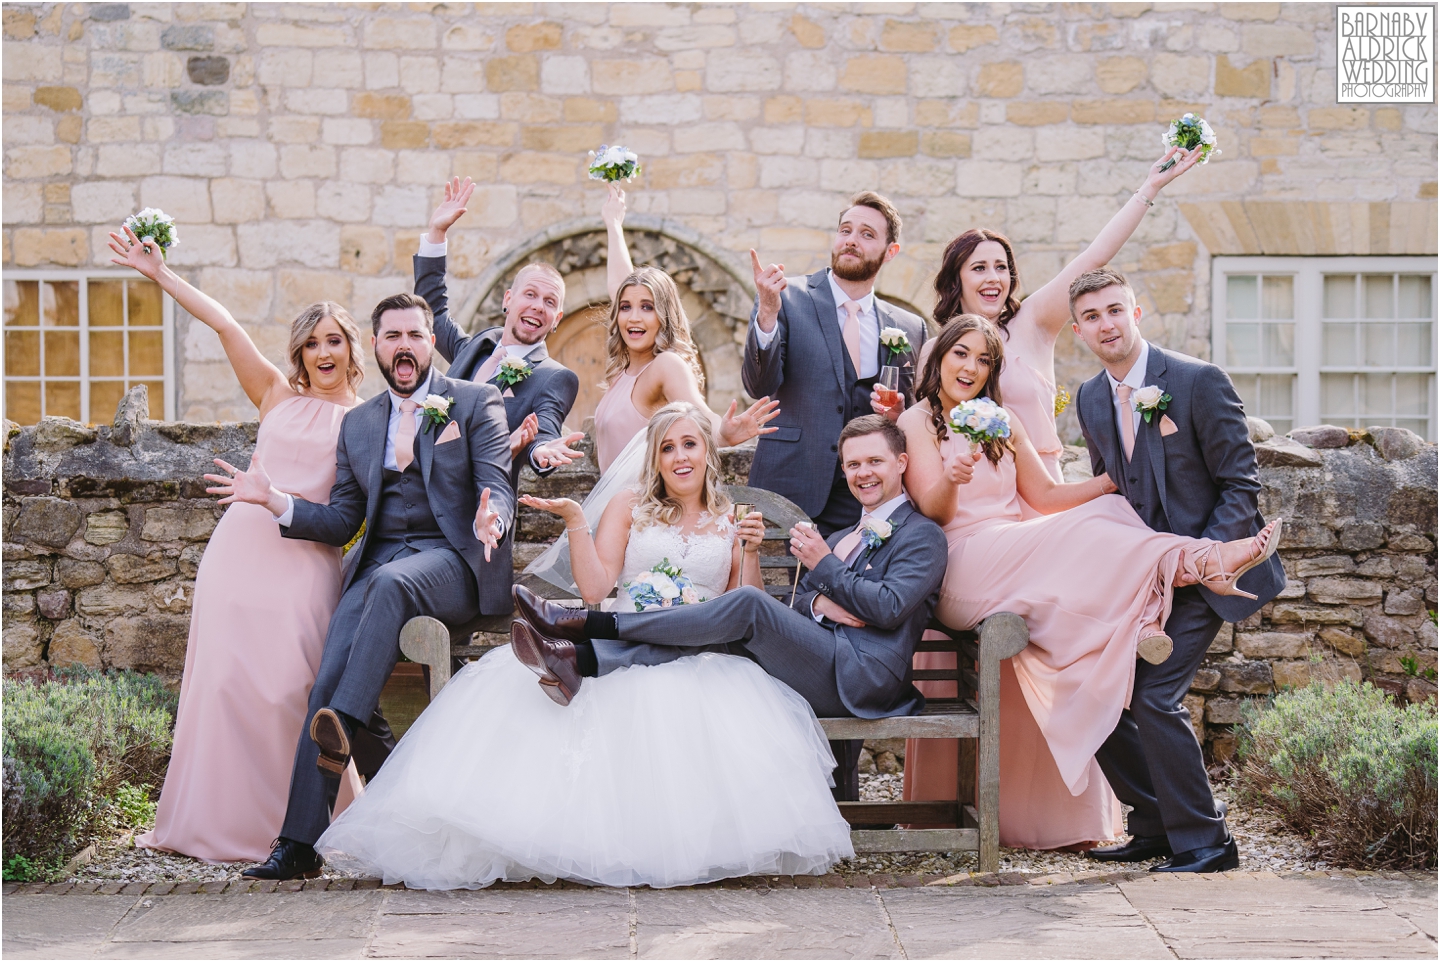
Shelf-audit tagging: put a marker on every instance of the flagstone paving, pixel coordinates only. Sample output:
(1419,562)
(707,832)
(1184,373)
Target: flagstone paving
(1125,915)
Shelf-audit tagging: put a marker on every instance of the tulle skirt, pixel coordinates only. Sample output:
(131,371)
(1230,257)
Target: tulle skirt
(700,769)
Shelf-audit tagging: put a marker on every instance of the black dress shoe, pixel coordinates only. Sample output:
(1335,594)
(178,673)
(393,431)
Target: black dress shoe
(551,658)
(288,859)
(1212,858)
(331,733)
(1139,849)
(550,619)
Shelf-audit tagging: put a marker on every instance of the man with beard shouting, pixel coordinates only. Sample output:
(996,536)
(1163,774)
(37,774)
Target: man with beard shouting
(426,467)
(816,347)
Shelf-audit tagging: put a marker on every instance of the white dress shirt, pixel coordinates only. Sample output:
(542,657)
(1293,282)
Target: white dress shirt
(1136,380)
(882,513)
(868,320)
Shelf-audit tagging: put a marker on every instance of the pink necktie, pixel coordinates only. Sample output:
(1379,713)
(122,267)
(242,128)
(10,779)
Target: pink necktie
(845,547)
(405,435)
(851,333)
(491,365)
(1127,420)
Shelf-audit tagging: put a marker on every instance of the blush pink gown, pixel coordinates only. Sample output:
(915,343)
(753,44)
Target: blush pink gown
(257,629)
(617,420)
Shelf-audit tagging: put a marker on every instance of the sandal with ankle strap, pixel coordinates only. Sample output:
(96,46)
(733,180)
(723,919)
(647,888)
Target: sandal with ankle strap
(1225,582)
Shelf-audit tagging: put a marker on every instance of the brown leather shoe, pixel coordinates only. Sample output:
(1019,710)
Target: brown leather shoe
(550,658)
(332,736)
(550,619)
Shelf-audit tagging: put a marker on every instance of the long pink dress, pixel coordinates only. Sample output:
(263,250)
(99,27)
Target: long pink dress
(1085,619)
(257,629)
(617,420)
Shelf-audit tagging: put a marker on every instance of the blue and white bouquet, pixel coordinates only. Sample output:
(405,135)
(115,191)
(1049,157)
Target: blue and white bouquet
(153,226)
(980,419)
(663,586)
(1188,133)
(614,163)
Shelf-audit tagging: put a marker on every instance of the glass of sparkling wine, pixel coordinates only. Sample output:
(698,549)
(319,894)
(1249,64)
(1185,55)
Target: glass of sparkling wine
(741,510)
(796,586)
(887,385)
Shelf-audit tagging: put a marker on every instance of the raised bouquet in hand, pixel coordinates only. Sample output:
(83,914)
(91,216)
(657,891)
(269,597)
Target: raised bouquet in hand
(614,163)
(663,586)
(153,226)
(981,420)
(1188,133)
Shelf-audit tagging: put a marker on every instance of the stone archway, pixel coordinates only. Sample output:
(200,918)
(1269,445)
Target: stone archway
(716,295)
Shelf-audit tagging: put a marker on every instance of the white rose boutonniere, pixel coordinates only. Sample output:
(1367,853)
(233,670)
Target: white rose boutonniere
(1148,400)
(894,341)
(873,533)
(513,370)
(436,411)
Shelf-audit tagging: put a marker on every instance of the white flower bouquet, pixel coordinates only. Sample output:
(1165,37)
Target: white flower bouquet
(663,586)
(980,419)
(153,226)
(1188,133)
(611,164)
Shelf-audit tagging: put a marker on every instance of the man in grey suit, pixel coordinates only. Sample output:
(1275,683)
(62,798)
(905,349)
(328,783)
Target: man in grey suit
(816,348)
(1181,455)
(846,646)
(537,389)
(426,467)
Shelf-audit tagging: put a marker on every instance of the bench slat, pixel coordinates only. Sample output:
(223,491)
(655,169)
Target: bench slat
(873,813)
(904,726)
(917,840)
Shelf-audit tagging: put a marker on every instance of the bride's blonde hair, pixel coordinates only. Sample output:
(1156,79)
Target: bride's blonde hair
(654,505)
(674,333)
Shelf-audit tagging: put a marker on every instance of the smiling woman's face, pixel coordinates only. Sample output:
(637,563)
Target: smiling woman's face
(682,458)
(985,280)
(639,321)
(326,356)
(965,370)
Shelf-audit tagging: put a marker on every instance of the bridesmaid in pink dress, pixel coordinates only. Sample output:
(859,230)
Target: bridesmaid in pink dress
(262,603)
(978,276)
(1086,621)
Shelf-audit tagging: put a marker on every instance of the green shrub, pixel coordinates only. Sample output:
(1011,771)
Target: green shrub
(83,754)
(1348,767)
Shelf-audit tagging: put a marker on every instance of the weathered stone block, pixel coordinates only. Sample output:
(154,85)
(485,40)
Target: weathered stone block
(740,70)
(631,77)
(1343,591)
(1001,79)
(60,248)
(967,37)
(58,99)
(1037,113)
(71,644)
(1281,452)
(1411,602)
(876,144)
(25,575)
(189,562)
(53,604)
(78,574)
(1120,75)
(874,74)
(212,102)
(1321,436)
(1395,444)
(1338,564)
(1205,680)
(189,523)
(129,569)
(1252,80)
(1248,676)
(1273,644)
(381,106)
(1388,632)
(1362,535)
(147,643)
(21,646)
(208,71)
(1345,642)
(944,143)
(527,38)
(1223,711)
(48,521)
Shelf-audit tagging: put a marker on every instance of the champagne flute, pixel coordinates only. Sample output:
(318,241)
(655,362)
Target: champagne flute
(887,385)
(741,510)
(796,586)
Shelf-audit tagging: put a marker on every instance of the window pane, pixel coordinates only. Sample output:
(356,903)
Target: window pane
(60,306)
(156,392)
(1279,345)
(107,354)
(62,399)
(1378,288)
(1414,295)
(1412,344)
(22,401)
(1242,345)
(144,304)
(1379,345)
(22,304)
(1412,394)
(1376,399)
(1338,344)
(1340,295)
(22,354)
(104,399)
(1279,302)
(1242,297)
(1420,427)
(1337,399)
(147,353)
(62,353)
(107,307)
(1277,395)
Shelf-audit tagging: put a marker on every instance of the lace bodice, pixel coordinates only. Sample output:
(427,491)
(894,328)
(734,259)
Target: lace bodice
(703,556)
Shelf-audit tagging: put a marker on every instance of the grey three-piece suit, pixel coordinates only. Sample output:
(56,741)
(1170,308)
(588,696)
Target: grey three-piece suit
(1201,481)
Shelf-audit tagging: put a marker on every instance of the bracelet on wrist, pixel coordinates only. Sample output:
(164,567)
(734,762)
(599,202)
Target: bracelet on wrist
(1144,200)
(578,527)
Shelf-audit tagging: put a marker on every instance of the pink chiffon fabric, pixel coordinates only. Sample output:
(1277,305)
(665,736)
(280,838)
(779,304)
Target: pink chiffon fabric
(617,420)
(257,629)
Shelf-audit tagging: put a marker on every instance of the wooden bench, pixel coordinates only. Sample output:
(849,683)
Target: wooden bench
(973,718)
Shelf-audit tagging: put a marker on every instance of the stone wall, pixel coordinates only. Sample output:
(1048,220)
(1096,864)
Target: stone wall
(301,145)
(104,528)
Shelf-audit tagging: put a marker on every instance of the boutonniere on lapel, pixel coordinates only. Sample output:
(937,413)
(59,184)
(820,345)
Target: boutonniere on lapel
(436,411)
(894,340)
(873,533)
(1148,400)
(513,370)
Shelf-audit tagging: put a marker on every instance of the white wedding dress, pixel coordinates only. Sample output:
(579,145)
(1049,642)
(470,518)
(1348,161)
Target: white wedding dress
(700,769)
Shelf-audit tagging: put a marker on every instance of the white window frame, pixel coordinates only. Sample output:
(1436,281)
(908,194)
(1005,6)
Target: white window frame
(1309,274)
(167,315)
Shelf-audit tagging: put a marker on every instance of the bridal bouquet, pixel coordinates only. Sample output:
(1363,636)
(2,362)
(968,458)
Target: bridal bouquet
(1188,133)
(614,163)
(980,419)
(663,586)
(153,226)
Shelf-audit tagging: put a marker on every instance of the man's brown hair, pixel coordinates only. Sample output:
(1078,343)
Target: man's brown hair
(401,302)
(874,201)
(873,424)
(1097,280)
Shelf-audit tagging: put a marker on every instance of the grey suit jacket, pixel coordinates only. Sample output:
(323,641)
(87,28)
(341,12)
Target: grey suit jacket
(549,392)
(1205,472)
(804,369)
(893,589)
(454,472)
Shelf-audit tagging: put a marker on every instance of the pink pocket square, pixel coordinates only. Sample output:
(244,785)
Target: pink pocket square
(451,433)
(1167,426)
(508,393)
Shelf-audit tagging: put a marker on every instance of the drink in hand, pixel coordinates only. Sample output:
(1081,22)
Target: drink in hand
(887,385)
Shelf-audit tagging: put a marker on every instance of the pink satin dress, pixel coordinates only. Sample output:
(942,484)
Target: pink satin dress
(257,629)
(617,420)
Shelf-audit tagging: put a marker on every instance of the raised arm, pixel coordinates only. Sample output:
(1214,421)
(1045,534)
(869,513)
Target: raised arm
(261,380)
(763,368)
(931,478)
(490,463)
(430,271)
(595,558)
(1041,491)
(1049,307)
(618,265)
(676,382)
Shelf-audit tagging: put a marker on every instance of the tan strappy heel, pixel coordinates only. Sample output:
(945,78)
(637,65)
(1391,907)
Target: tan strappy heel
(1155,646)
(1225,582)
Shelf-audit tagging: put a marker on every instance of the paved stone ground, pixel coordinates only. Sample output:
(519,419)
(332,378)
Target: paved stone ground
(1127,915)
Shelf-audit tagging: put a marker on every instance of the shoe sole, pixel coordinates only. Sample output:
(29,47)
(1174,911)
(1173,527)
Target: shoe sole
(333,758)
(1156,649)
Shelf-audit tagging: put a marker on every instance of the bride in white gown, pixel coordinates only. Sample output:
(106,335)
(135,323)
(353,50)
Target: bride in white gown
(695,770)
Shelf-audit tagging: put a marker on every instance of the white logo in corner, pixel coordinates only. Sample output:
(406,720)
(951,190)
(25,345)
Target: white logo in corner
(1384,54)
